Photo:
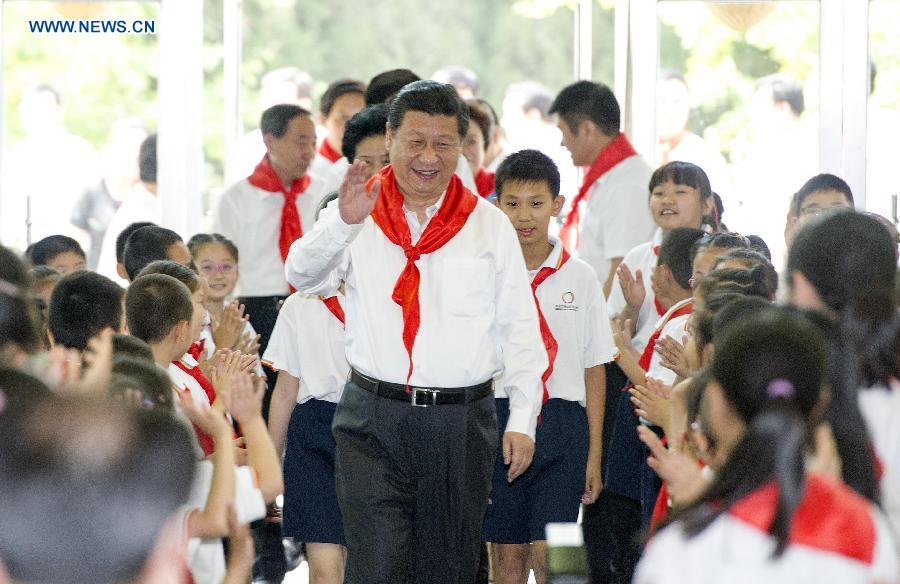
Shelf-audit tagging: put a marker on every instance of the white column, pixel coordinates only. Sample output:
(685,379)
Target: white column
(856,97)
(180,146)
(831,85)
(232,127)
(583,38)
(644,51)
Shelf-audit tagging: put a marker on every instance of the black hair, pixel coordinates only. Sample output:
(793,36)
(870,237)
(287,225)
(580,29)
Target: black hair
(183,274)
(707,324)
(93,484)
(529,166)
(771,368)
(132,347)
(721,240)
(851,261)
(82,305)
(145,245)
(19,319)
(784,90)
(752,259)
(274,121)
(200,239)
(338,89)
(689,175)
(756,281)
(818,183)
(482,117)
(385,85)
(42,252)
(19,391)
(42,274)
(154,385)
(432,98)
(369,122)
(122,238)
(154,304)
(456,75)
(675,253)
(586,100)
(759,244)
(147,159)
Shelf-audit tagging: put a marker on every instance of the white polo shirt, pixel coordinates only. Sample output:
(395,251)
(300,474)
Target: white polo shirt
(251,218)
(308,343)
(616,217)
(478,315)
(675,327)
(571,301)
(642,257)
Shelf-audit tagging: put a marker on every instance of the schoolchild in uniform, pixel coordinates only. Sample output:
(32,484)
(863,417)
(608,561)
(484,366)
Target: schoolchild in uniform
(578,339)
(307,351)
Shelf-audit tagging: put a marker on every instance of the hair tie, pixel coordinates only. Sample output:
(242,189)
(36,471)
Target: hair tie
(779,388)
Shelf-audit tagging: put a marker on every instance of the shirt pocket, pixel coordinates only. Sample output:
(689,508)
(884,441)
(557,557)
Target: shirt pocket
(467,287)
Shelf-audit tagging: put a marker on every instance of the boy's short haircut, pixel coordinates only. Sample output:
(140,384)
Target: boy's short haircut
(822,182)
(200,239)
(132,347)
(385,85)
(479,114)
(82,305)
(19,320)
(676,253)
(586,100)
(154,385)
(183,274)
(19,390)
(122,238)
(528,166)
(146,245)
(759,245)
(42,274)
(154,305)
(92,483)
(42,252)
(338,89)
(369,122)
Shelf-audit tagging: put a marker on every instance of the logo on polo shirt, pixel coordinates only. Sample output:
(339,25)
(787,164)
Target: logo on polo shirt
(568,299)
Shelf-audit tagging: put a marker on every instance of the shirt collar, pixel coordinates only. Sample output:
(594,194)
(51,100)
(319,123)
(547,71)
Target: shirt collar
(552,260)
(430,211)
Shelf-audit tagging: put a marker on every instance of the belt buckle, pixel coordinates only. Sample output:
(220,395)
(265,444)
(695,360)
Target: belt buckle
(414,392)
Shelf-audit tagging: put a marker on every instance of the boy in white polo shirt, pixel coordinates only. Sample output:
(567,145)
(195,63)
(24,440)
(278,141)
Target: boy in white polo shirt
(577,335)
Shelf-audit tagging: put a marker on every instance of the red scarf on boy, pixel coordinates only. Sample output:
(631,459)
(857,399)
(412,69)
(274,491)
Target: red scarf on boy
(550,343)
(647,355)
(614,153)
(334,307)
(388,214)
(265,178)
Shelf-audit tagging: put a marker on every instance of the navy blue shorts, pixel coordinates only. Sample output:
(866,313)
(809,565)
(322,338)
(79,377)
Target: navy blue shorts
(311,512)
(550,490)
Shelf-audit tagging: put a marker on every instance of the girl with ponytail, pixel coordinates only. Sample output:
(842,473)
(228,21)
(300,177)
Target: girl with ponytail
(763,518)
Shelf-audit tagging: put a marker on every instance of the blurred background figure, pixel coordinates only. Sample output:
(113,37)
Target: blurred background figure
(46,172)
(97,204)
(464,80)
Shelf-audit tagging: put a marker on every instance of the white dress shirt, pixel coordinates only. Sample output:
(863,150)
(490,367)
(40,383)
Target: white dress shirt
(308,343)
(251,218)
(478,316)
(643,258)
(572,304)
(616,217)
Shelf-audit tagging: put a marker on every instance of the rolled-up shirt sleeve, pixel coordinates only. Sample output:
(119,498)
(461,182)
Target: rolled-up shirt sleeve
(318,261)
(524,355)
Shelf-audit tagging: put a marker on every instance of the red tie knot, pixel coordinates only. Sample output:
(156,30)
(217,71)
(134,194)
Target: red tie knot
(412,254)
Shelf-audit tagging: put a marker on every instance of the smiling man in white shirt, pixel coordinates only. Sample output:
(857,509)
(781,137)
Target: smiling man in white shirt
(437,304)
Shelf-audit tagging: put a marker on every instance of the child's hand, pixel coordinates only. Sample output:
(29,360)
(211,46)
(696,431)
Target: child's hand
(248,344)
(63,368)
(248,363)
(593,481)
(674,356)
(245,401)
(651,401)
(621,329)
(226,367)
(98,358)
(632,287)
(208,420)
(680,473)
(226,331)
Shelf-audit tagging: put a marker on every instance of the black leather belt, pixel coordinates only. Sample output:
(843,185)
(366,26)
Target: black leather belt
(423,396)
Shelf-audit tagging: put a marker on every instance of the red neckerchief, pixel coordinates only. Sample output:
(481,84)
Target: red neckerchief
(614,153)
(550,343)
(206,442)
(484,182)
(334,306)
(389,216)
(197,348)
(660,309)
(328,152)
(264,178)
(647,355)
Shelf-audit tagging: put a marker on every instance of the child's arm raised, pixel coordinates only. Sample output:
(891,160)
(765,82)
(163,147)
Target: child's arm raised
(245,405)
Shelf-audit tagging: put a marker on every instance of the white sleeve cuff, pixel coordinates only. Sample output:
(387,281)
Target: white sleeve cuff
(522,420)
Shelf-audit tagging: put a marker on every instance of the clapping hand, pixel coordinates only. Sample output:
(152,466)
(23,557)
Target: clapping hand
(632,287)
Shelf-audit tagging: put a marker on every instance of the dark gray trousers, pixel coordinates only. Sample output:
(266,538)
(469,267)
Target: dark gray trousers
(413,485)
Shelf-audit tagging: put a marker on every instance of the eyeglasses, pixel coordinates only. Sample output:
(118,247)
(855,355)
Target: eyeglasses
(226,268)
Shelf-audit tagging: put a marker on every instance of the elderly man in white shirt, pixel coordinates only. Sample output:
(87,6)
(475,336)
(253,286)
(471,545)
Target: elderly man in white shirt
(438,303)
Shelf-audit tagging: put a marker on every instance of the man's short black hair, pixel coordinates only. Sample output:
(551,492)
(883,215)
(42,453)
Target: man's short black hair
(82,305)
(42,252)
(368,122)
(122,238)
(822,182)
(154,304)
(338,89)
(480,113)
(275,120)
(528,166)
(147,159)
(146,245)
(385,85)
(784,90)
(132,347)
(676,253)
(586,100)
(88,486)
(432,98)
(153,383)
(183,274)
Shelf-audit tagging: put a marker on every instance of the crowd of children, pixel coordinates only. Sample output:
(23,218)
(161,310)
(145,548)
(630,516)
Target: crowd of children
(699,430)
